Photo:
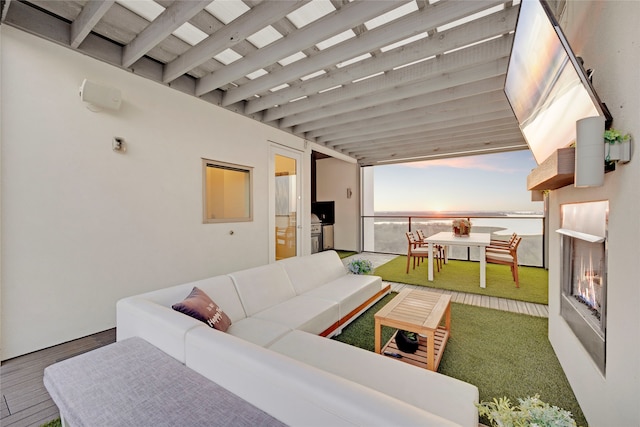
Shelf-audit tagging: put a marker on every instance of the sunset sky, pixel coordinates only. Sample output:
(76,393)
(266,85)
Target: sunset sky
(492,182)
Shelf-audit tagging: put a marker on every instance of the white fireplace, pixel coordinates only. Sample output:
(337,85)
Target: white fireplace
(583,300)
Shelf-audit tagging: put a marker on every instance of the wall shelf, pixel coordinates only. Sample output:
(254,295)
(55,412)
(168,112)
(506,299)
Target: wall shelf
(555,172)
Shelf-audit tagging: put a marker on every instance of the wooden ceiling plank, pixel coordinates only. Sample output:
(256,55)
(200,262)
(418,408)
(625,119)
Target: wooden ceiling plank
(427,131)
(436,144)
(463,149)
(298,40)
(423,96)
(407,26)
(454,151)
(480,56)
(443,125)
(402,120)
(231,34)
(420,115)
(166,23)
(481,29)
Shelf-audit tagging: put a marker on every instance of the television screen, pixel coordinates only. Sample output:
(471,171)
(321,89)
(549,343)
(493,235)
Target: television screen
(545,84)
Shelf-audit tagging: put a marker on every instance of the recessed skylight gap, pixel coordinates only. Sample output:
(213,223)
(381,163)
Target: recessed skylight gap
(353,60)
(470,18)
(310,12)
(226,11)
(298,99)
(312,75)
(228,56)
(258,73)
(264,37)
(404,42)
(277,88)
(414,62)
(472,44)
(329,89)
(292,58)
(338,38)
(367,77)
(392,15)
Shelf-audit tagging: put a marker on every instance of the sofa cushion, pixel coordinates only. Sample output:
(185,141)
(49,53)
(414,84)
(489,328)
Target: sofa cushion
(311,271)
(436,393)
(258,331)
(132,383)
(308,314)
(219,288)
(262,287)
(199,306)
(293,392)
(349,291)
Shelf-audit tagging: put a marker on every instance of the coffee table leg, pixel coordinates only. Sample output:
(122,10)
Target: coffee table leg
(378,336)
(431,350)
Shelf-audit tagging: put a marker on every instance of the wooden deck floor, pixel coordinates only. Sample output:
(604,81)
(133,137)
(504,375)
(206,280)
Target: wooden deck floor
(25,401)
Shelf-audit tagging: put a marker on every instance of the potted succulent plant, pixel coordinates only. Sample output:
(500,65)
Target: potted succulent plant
(617,146)
(407,341)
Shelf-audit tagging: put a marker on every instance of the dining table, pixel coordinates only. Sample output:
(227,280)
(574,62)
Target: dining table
(448,238)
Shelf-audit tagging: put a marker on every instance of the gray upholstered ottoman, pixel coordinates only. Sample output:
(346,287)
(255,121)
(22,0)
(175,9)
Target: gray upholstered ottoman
(132,383)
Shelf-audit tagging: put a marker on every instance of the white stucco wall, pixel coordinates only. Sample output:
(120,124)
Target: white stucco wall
(333,177)
(83,226)
(606,35)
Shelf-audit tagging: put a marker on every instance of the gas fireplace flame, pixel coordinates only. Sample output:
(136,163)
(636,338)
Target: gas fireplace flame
(588,287)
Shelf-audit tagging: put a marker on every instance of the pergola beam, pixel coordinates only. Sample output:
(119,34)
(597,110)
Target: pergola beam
(334,23)
(231,34)
(407,26)
(169,20)
(91,13)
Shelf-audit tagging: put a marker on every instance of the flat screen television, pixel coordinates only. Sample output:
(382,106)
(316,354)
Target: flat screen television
(546,84)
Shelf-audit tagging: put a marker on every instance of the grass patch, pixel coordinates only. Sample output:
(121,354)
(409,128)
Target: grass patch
(464,276)
(502,353)
(344,254)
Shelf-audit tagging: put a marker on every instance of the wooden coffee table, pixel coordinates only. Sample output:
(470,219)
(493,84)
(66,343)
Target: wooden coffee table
(421,312)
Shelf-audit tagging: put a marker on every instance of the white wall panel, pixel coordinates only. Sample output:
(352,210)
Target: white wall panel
(333,177)
(83,226)
(606,36)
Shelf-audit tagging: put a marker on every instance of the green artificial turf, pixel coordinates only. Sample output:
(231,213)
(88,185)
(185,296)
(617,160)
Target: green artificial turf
(502,353)
(464,276)
(344,254)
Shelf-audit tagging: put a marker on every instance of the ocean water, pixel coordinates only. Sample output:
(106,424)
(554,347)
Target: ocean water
(500,223)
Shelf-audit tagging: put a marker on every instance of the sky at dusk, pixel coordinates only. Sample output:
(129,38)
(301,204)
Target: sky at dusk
(491,182)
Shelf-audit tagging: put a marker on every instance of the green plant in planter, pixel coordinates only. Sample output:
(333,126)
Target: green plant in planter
(530,412)
(613,136)
(360,266)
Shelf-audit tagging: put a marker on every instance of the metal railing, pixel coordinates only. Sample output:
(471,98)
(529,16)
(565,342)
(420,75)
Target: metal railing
(386,234)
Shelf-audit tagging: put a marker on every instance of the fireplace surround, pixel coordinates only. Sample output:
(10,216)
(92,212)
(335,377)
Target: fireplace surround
(584,275)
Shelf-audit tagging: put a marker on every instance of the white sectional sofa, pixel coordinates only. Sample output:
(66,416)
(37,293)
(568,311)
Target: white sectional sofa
(276,355)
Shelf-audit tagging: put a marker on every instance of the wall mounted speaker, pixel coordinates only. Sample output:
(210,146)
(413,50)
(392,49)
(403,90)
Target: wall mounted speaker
(589,152)
(100,96)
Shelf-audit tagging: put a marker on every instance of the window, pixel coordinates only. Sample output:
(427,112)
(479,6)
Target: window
(227,192)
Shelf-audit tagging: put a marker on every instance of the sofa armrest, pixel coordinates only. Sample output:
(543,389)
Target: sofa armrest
(161,326)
